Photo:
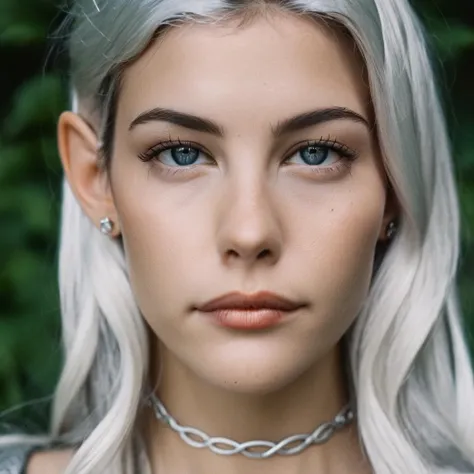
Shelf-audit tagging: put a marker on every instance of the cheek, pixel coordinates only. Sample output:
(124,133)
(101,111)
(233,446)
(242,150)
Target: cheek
(166,245)
(156,249)
(339,258)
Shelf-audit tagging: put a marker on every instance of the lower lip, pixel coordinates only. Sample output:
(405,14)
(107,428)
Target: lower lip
(247,319)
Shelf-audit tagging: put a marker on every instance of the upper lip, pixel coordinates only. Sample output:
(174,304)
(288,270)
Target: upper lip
(262,299)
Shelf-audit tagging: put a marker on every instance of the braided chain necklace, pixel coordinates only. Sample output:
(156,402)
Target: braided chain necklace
(320,435)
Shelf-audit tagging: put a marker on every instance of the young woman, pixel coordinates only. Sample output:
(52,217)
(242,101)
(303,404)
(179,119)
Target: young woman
(259,246)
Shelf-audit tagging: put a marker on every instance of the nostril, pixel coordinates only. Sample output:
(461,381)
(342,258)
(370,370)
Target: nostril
(264,253)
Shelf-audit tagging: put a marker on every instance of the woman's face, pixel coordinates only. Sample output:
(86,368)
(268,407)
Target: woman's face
(249,204)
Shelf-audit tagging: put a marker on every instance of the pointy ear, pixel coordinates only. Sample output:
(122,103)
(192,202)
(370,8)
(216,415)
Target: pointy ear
(80,156)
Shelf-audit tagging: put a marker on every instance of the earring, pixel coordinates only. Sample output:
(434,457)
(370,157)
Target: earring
(106,226)
(391,230)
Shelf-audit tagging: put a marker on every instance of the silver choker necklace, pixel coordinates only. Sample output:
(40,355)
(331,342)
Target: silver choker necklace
(320,435)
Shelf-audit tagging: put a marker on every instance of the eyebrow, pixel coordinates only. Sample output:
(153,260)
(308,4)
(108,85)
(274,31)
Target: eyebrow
(298,122)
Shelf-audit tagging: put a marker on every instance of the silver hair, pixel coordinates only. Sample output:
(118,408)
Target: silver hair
(408,361)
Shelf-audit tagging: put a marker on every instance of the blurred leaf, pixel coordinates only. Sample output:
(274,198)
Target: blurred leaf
(32,205)
(40,156)
(13,160)
(14,12)
(20,34)
(451,38)
(38,102)
(464,155)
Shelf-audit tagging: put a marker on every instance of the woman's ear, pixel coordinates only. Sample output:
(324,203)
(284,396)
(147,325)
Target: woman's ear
(391,213)
(79,151)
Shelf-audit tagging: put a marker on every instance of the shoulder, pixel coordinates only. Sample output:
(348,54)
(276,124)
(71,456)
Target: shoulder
(28,459)
(50,461)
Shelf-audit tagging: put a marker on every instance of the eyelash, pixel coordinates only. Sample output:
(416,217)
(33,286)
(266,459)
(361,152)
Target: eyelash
(347,154)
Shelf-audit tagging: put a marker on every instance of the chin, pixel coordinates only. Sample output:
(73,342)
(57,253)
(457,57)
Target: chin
(257,372)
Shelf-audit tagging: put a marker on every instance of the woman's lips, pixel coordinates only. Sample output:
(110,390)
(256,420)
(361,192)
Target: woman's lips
(242,301)
(247,318)
(249,311)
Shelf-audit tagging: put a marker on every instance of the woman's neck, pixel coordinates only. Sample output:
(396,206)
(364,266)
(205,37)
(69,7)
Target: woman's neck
(315,397)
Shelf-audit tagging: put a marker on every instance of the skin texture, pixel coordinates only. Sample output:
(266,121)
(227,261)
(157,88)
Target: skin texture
(241,219)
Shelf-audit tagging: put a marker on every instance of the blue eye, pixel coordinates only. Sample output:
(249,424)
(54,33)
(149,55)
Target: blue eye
(183,155)
(322,152)
(317,155)
(314,155)
(175,154)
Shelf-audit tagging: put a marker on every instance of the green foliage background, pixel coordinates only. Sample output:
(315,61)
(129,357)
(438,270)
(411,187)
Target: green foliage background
(33,93)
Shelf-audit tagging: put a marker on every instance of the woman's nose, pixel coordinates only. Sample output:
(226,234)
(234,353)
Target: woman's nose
(248,224)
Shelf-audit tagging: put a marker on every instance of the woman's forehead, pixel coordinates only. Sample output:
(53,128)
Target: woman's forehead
(268,63)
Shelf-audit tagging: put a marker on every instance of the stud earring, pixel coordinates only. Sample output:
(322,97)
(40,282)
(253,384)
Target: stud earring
(391,230)
(106,226)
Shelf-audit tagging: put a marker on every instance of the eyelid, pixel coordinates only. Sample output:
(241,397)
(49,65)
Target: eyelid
(164,145)
(328,142)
